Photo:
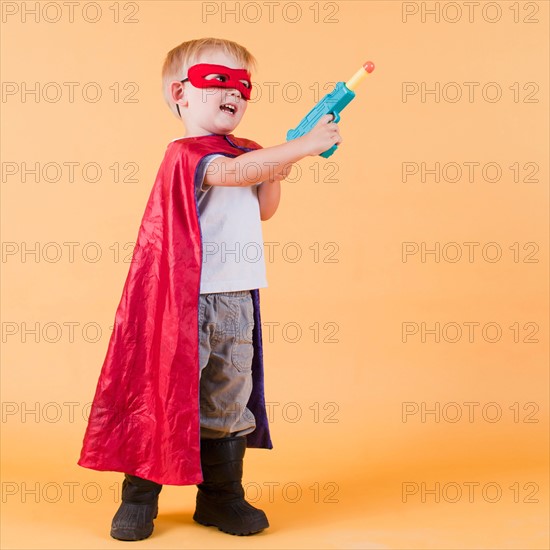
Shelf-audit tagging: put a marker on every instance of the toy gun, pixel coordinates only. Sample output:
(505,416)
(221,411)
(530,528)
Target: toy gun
(332,104)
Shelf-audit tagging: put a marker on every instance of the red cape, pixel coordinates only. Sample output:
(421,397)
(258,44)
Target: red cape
(144,419)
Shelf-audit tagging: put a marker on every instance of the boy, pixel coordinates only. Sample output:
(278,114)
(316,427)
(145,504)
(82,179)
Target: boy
(180,395)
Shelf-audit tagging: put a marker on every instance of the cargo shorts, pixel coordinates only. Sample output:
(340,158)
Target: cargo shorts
(226,322)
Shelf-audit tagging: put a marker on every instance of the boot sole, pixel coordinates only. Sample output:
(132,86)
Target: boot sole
(229,531)
(130,534)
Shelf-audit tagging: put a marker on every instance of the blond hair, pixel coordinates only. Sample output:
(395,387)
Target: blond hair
(180,58)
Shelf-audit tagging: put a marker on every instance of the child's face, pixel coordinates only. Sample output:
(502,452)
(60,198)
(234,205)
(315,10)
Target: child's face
(201,107)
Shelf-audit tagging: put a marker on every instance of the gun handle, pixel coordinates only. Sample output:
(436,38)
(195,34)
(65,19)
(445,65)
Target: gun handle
(328,152)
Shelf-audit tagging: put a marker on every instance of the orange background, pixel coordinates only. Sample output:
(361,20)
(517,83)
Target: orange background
(343,452)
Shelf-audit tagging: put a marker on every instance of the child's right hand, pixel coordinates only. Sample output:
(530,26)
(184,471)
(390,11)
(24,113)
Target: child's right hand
(322,136)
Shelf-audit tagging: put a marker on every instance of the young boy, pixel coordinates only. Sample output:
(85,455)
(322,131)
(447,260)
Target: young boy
(181,392)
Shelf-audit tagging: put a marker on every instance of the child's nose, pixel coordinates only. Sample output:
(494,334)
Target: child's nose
(234,91)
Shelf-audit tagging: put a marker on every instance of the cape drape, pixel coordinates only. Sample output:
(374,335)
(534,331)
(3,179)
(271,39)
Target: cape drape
(144,418)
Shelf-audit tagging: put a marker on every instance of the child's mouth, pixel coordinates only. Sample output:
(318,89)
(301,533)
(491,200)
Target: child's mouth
(228,108)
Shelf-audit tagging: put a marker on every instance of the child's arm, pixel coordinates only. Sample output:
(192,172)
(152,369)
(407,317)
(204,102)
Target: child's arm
(269,194)
(262,165)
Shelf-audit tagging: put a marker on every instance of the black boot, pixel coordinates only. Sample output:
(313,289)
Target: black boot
(134,518)
(220,499)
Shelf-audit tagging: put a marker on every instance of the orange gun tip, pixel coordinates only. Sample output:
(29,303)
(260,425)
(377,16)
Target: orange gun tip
(368,66)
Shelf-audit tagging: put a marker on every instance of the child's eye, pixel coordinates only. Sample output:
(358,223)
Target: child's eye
(220,77)
(246,83)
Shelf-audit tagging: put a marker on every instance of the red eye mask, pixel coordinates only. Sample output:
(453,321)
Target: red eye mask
(220,76)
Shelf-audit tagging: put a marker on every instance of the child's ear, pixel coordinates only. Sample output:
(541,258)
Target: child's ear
(178,93)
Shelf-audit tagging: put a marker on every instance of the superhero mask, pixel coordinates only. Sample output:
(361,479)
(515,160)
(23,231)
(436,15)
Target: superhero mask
(219,76)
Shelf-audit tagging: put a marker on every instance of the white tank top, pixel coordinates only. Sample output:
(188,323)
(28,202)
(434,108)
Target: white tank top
(232,241)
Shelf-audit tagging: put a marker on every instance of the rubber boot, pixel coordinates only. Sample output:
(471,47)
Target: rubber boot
(134,518)
(220,498)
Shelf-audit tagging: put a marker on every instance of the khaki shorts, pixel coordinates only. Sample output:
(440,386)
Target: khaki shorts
(226,321)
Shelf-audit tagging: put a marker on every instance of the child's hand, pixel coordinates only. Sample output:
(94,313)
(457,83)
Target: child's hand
(322,136)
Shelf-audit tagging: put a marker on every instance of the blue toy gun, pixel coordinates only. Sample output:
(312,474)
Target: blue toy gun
(332,104)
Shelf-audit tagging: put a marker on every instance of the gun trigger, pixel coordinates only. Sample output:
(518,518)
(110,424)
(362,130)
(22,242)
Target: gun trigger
(336,117)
